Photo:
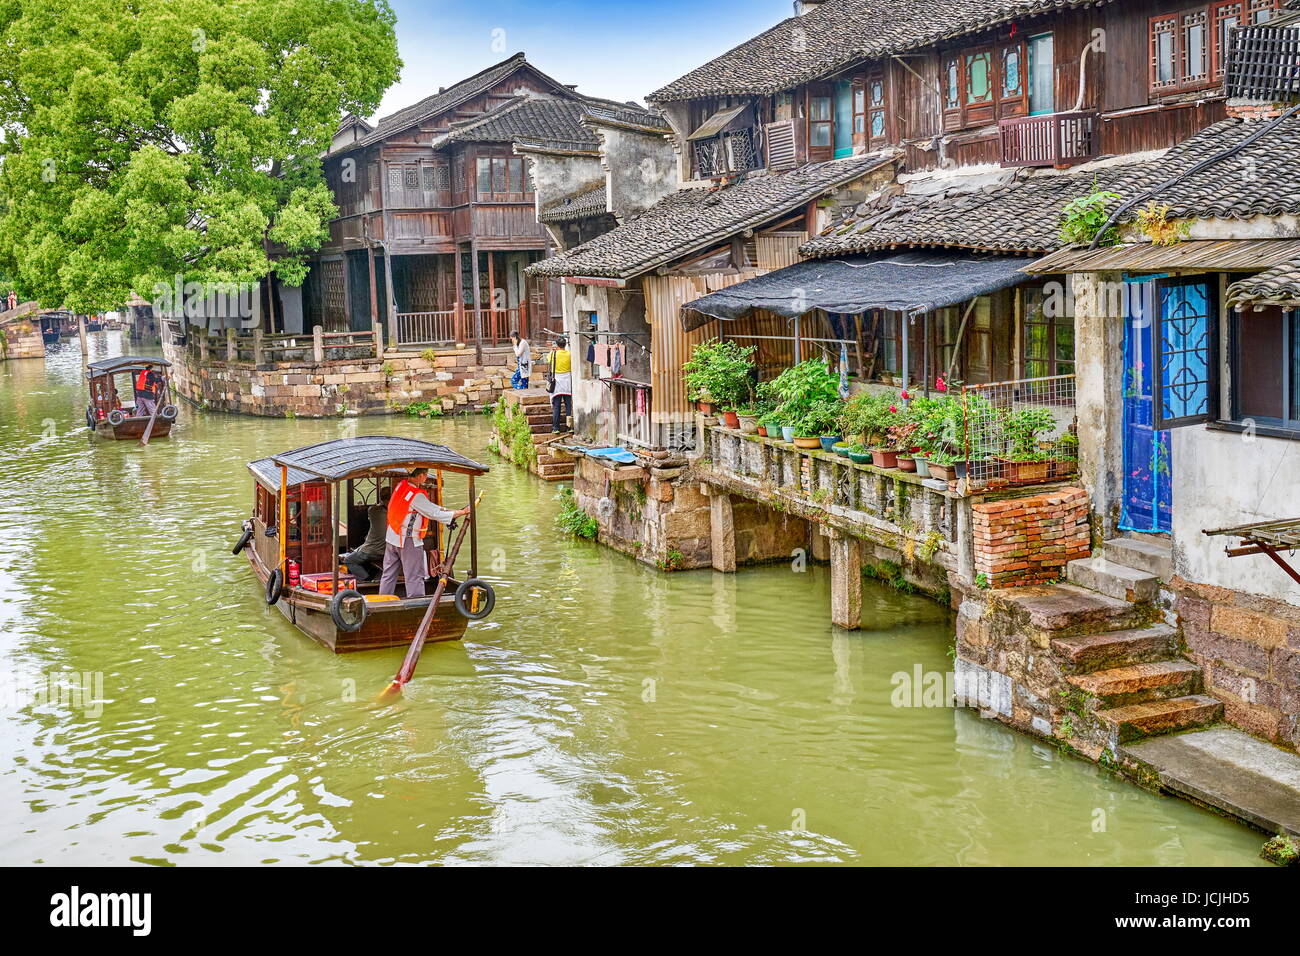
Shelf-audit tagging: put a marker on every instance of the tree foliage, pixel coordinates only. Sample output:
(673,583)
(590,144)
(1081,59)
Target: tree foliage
(145,139)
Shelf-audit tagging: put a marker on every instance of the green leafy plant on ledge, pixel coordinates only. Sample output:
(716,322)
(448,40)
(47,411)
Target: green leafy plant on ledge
(424,409)
(1083,219)
(513,430)
(572,520)
(674,560)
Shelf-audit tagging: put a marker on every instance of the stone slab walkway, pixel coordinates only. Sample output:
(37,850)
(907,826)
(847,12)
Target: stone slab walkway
(1229,770)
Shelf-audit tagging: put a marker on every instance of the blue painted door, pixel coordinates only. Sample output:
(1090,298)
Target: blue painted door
(843,119)
(1147,486)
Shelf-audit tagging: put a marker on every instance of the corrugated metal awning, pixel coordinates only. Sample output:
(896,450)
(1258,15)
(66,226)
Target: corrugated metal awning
(1190,254)
(719,121)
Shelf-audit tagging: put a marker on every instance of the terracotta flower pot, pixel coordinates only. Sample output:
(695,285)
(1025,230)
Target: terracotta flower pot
(762,431)
(882,458)
(731,419)
(905,462)
(943,472)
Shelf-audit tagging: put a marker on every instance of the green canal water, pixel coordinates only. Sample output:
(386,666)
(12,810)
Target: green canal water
(605,714)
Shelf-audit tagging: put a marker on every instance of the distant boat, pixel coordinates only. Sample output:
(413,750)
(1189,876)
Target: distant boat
(110,417)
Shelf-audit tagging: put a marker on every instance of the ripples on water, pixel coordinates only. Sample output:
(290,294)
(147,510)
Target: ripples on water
(605,713)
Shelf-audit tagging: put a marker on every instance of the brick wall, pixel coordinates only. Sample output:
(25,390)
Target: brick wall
(1249,648)
(365,386)
(21,338)
(1023,541)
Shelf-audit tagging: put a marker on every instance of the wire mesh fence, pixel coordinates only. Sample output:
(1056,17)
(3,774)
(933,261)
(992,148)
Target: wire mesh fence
(1020,432)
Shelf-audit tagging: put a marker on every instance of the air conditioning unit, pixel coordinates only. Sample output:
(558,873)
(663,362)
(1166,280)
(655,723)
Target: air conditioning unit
(787,145)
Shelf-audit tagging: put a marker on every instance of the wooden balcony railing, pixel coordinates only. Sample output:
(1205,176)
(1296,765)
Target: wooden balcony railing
(1056,139)
(459,326)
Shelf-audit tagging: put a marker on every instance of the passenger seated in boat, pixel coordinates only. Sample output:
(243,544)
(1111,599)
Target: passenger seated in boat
(368,560)
(409,513)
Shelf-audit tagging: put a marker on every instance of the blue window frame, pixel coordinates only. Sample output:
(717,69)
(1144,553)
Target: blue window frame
(1185,352)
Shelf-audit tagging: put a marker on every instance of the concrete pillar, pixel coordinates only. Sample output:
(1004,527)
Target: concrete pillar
(1099,383)
(232,348)
(819,546)
(846,581)
(965,541)
(257,345)
(722,531)
(317,344)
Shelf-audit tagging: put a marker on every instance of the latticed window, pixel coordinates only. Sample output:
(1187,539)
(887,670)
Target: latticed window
(1164,47)
(1189,49)
(1013,76)
(979,78)
(732,152)
(1196,55)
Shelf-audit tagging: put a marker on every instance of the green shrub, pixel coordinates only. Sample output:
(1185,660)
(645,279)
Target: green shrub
(572,520)
(1083,218)
(720,372)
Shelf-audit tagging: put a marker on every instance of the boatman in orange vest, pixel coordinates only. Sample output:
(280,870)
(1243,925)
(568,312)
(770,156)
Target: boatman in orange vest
(409,512)
(147,386)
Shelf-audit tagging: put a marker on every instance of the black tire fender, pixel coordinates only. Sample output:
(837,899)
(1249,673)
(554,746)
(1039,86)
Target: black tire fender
(168,413)
(337,615)
(242,543)
(90,419)
(274,586)
(486,603)
(116,417)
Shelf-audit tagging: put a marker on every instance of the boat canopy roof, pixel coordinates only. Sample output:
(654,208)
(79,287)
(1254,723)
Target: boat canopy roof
(358,457)
(124,363)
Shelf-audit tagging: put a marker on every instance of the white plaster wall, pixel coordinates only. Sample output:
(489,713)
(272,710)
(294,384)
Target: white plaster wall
(1223,479)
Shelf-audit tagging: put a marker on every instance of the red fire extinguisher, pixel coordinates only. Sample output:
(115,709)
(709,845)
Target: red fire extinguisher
(293,573)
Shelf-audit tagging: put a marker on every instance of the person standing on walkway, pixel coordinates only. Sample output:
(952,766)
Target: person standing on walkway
(523,360)
(409,512)
(560,365)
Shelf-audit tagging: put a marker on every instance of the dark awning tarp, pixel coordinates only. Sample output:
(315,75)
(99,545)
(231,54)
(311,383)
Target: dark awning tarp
(910,282)
(350,457)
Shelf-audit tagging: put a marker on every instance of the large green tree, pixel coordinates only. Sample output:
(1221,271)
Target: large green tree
(145,139)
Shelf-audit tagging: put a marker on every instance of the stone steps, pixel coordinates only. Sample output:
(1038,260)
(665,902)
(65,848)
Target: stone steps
(1067,610)
(1149,718)
(1154,558)
(1114,580)
(1138,683)
(1093,652)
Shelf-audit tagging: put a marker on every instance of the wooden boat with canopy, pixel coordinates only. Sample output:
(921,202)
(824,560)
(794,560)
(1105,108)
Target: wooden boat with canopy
(111,416)
(321,497)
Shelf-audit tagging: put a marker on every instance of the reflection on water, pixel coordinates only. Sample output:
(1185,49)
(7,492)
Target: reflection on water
(604,714)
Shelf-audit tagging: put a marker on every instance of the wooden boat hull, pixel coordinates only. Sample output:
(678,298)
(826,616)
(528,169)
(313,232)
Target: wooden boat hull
(133,429)
(388,623)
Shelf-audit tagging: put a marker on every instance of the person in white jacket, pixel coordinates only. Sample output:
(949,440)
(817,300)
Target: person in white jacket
(409,512)
(523,359)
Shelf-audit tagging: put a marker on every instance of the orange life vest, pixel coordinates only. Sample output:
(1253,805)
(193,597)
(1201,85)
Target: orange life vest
(142,381)
(400,512)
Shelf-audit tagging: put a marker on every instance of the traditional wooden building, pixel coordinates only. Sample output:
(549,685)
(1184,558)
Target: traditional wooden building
(438,215)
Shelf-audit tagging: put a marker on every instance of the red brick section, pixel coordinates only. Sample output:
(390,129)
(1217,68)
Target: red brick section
(1256,110)
(1023,541)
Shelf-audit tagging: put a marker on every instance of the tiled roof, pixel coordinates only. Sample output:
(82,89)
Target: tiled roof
(1020,216)
(440,102)
(1260,179)
(590,202)
(1279,285)
(840,32)
(533,120)
(691,220)
(626,115)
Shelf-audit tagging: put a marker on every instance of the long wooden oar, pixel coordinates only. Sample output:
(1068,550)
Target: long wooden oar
(445,570)
(148,429)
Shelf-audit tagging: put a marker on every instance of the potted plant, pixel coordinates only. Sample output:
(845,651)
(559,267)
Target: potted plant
(1021,429)
(801,387)
(900,443)
(1066,451)
(822,422)
(859,455)
(747,420)
(942,466)
(769,425)
(807,432)
(720,374)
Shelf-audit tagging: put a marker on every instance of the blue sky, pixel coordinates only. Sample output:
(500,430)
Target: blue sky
(617,49)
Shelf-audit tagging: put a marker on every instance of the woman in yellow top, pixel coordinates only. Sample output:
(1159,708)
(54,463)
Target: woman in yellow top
(560,364)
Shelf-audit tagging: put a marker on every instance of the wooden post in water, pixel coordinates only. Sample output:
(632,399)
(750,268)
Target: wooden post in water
(81,334)
(232,348)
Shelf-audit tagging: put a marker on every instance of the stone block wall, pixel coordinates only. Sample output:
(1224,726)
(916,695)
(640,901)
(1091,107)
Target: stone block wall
(665,519)
(1249,650)
(1023,541)
(21,338)
(450,379)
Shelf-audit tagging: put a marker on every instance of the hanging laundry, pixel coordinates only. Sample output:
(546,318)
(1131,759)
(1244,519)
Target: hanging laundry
(602,355)
(641,401)
(617,354)
(591,352)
